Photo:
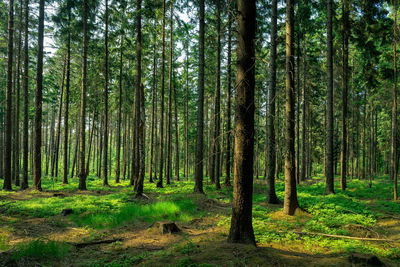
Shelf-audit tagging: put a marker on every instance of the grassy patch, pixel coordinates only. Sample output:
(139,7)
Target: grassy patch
(40,249)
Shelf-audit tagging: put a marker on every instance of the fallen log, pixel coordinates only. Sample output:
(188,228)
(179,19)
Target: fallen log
(97,242)
(344,236)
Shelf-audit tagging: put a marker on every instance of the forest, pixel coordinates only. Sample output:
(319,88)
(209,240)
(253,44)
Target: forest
(199,133)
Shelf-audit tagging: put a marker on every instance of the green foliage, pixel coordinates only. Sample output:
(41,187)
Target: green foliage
(40,249)
(123,260)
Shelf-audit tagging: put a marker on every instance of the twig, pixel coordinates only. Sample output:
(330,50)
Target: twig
(106,241)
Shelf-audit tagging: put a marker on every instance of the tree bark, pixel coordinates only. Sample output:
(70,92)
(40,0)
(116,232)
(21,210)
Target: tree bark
(198,173)
(393,147)
(82,128)
(271,147)
(229,96)
(66,114)
(169,131)
(329,141)
(105,136)
(7,169)
(241,230)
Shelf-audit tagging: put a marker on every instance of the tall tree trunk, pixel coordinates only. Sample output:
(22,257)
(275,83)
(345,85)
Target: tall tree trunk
(153,108)
(91,133)
(176,137)
(304,149)
(37,173)
(118,156)
(82,171)
(160,181)
(105,136)
(229,96)
(67,85)
(271,147)
(139,99)
(329,141)
(241,230)
(198,173)
(393,147)
(169,130)
(345,65)
(24,184)
(54,163)
(7,169)
(290,202)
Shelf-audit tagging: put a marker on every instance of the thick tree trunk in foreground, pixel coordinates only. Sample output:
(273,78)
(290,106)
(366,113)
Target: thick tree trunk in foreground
(290,202)
(198,172)
(241,230)
(271,146)
(329,141)
(7,169)
(37,168)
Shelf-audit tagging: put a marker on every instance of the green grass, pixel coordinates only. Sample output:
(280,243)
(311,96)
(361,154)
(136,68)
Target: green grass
(40,249)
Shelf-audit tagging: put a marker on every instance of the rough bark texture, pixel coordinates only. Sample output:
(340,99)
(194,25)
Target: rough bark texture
(7,168)
(105,136)
(329,141)
(304,149)
(24,184)
(271,149)
(37,168)
(198,172)
(82,128)
(169,123)
(345,65)
(160,181)
(66,126)
(393,147)
(118,156)
(228,111)
(290,202)
(241,230)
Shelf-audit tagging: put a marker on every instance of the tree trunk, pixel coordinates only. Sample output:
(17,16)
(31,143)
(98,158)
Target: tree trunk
(160,181)
(24,184)
(118,156)
(290,203)
(329,141)
(304,149)
(169,131)
(37,173)
(176,138)
(7,169)
(393,147)
(153,108)
(228,112)
(198,173)
(105,136)
(241,230)
(67,85)
(82,171)
(271,147)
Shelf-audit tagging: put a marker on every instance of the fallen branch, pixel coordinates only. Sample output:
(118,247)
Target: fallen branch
(106,241)
(345,237)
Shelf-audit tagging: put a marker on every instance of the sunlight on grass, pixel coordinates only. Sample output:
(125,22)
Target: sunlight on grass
(40,249)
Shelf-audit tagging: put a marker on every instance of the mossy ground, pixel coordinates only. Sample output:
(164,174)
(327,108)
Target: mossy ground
(32,231)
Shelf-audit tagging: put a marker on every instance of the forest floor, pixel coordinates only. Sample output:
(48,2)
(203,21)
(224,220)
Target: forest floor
(34,233)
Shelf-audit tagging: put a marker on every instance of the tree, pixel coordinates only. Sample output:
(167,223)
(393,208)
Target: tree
(105,136)
(271,146)
(198,171)
(160,181)
(82,114)
(290,203)
(37,168)
(7,170)
(345,83)
(241,230)
(228,111)
(329,103)
(24,184)
(393,147)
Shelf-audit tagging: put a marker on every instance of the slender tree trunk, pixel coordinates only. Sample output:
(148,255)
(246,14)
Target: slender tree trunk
(393,147)
(229,96)
(118,156)
(160,181)
(54,163)
(176,137)
(91,132)
(105,136)
(169,131)
(304,158)
(153,111)
(37,173)
(186,161)
(66,114)
(82,171)
(241,230)
(24,184)
(7,169)
(271,147)
(329,141)
(290,203)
